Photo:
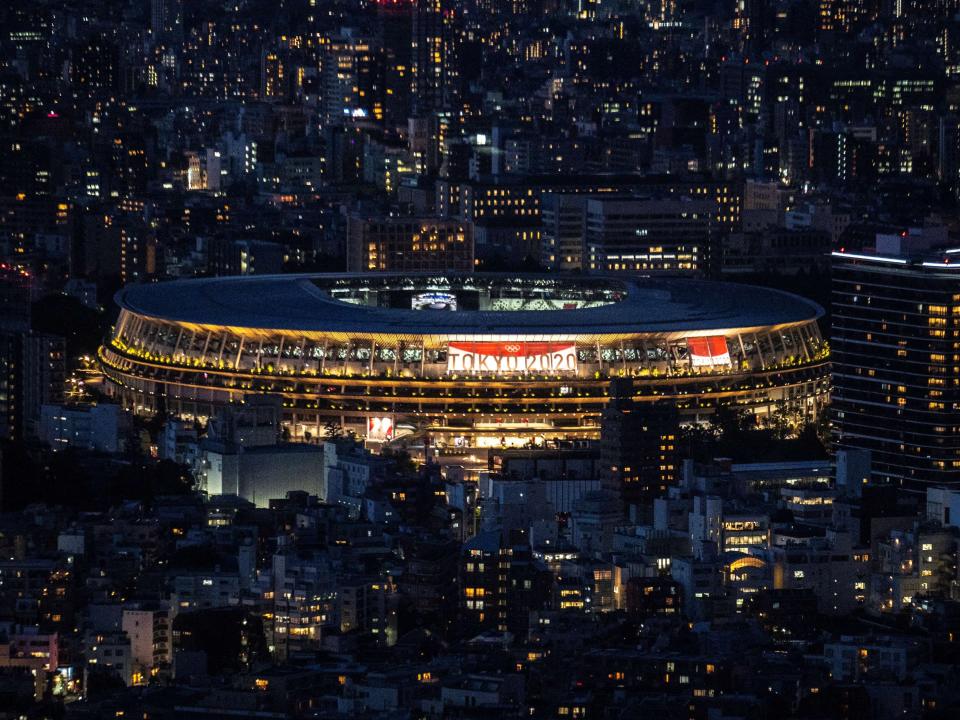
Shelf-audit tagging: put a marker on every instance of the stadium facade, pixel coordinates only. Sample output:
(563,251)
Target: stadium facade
(472,360)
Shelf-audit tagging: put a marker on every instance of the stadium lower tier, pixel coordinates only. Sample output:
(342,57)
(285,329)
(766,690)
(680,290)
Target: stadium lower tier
(461,410)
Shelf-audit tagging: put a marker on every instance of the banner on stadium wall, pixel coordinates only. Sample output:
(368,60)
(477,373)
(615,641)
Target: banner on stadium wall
(511,357)
(710,350)
(379,428)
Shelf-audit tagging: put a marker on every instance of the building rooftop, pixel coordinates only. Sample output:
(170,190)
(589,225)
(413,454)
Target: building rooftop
(381,304)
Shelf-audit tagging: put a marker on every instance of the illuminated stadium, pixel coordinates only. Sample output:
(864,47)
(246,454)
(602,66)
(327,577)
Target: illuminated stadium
(471,361)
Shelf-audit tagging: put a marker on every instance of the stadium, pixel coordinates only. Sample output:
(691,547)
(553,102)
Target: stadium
(468,360)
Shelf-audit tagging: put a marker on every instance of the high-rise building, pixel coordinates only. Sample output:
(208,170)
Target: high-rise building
(166,18)
(32,374)
(431,39)
(272,84)
(348,76)
(562,231)
(409,244)
(8,387)
(500,584)
(95,64)
(896,361)
(638,445)
(394,40)
(948,153)
(753,21)
(117,244)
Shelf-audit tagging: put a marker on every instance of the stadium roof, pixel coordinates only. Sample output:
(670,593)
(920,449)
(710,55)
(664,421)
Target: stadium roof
(300,303)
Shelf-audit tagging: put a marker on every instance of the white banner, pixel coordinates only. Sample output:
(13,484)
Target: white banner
(511,357)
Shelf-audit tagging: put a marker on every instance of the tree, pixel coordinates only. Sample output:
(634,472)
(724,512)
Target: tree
(404,463)
(332,430)
(82,327)
(144,481)
(103,682)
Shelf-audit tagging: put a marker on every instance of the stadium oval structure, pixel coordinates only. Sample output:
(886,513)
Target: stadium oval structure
(473,360)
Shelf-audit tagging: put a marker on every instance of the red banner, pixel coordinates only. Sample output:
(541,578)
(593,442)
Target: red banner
(709,350)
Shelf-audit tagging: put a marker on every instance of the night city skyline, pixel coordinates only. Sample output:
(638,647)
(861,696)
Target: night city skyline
(426,359)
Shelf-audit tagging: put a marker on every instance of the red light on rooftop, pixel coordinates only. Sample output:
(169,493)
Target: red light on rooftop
(52,114)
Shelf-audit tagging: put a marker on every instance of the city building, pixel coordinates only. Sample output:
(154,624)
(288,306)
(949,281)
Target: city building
(149,632)
(244,257)
(430,65)
(499,584)
(261,473)
(649,236)
(638,445)
(95,427)
(396,244)
(562,219)
(32,374)
(894,372)
(348,76)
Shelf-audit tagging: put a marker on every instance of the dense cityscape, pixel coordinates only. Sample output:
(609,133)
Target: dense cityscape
(421,359)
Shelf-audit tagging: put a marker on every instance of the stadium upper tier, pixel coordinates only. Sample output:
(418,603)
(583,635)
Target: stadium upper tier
(481,304)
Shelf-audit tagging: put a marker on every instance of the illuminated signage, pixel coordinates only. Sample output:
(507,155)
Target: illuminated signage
(740,525)
(511,357)
(434,301)
(379,428)
(710,350)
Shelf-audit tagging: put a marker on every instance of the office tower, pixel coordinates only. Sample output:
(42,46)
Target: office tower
(16,292)
(671,236)
(745,83)
(409,244)
(896,361)
(431,38)
(394,38)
